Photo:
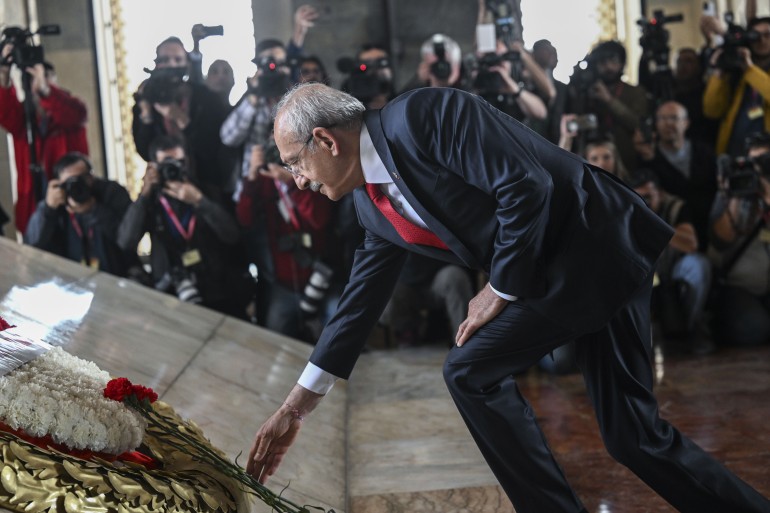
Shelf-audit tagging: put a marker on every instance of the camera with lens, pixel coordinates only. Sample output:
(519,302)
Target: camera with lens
(441,69)
(272,82)
(171,170)
(584,74)
(183,283)
(364,81)
(735,38)
(583,123)
(741,179)
(655,38)
(316,288)
(78,188)
(163,85)
(25,52)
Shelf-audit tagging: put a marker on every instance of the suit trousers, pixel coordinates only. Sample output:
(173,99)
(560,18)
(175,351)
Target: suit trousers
(616,366)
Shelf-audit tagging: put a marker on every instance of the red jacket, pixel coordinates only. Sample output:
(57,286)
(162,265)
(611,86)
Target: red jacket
(259,203)
(65,132)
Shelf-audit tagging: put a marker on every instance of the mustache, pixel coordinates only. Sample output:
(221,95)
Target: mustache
(315,186)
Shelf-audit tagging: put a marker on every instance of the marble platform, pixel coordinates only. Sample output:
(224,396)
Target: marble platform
(390,440)
(226,375)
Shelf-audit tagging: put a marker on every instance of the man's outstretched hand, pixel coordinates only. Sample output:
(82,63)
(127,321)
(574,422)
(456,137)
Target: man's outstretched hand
(482,309)
(278,433)
(271,444)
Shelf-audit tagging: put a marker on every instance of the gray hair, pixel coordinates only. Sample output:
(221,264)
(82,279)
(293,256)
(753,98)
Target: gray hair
(307,106)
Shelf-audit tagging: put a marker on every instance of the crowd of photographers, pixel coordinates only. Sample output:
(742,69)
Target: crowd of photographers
(229,228)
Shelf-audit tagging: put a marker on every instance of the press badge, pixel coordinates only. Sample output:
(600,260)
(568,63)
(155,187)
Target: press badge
(191,258)
(756,112)
(92,263)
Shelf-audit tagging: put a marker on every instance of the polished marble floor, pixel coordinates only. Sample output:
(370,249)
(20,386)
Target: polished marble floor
(390,440)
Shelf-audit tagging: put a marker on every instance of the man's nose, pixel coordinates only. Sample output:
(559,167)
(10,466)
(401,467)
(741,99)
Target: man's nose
(301,182)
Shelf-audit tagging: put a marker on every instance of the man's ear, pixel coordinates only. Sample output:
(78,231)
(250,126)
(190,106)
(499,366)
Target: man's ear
(326,140)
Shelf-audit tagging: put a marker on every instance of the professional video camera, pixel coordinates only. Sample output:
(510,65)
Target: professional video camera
(25,52)
(655,38)
(735,38)
(365,82)
(163,85)
(272,81)
(504,20)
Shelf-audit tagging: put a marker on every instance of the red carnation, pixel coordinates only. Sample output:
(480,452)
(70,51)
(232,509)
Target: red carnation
(118,389)
(143,393)
(4,325)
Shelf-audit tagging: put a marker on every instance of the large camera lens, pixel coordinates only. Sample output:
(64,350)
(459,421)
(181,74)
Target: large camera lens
(171,170)
(316,288)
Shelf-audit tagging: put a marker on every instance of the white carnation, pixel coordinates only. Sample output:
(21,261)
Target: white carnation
(60,395)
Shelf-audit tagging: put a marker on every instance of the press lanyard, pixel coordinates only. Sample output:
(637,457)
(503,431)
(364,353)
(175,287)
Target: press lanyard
(287,203)
(85,241)
(186,234)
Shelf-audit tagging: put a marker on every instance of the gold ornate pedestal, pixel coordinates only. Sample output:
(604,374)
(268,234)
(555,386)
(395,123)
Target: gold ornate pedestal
(35,480)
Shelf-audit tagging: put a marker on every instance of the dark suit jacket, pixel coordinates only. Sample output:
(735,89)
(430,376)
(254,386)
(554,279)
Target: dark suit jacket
(569,239)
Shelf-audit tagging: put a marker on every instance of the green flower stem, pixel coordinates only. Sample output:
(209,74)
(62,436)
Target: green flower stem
(169,433)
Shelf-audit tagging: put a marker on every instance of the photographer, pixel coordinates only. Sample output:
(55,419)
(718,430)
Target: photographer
(79,217)
(679,300)
(685,168)
(440,64)
(292,224)
(740,247)
(739,87)
(500,79)
(618,106)
(250,122)
(370,77)
(169,104)
(59,127)
(191,235)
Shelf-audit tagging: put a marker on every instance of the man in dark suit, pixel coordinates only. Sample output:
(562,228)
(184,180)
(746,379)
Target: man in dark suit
(569,251)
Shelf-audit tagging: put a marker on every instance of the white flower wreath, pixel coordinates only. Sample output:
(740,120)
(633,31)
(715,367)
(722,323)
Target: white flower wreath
(60,395)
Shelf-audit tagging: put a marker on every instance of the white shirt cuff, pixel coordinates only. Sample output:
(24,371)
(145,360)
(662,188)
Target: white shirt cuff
(316,379)
(504,296)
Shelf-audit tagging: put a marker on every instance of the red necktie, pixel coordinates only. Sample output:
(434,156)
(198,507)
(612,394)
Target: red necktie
(410,232)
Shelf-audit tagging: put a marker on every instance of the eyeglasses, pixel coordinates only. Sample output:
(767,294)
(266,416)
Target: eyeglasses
(670,119)
(289,166)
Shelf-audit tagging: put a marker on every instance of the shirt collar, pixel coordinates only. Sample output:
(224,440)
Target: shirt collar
(371,163)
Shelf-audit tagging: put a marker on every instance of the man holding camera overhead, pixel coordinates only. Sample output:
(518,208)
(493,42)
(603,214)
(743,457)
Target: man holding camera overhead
(59,126)
(738,90)
(191,235)
(79,217)
(168,103)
